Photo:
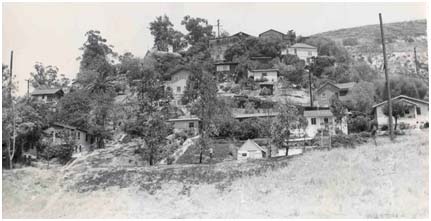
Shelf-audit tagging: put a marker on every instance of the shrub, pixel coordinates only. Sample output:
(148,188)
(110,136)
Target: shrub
(358,124)
(403,126)
(235,89)
(426,125)
(62,152)
(384,128)
(265,92)
(170,160)
(350,42)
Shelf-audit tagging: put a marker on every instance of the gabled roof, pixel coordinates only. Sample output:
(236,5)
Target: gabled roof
(241,116)
(302,45)
(406,98)
(318,113)
(46,91)
(184,118)
(250,144)
(240,34)
(273,31)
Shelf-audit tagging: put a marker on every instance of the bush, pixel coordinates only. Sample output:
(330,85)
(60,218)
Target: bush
(350,42)
(403,126)
(235,89)
(170,160)
(426,125)
(62,152)
(358,124)
(384,128)
(265,92)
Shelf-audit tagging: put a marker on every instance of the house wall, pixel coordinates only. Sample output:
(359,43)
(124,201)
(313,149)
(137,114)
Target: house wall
(272,35)
(322,97)
(302,53)
(312,129)
(250,154)
(47,98)
(413,119)
(178,85)
(184,125)
(270,75)
(80,136)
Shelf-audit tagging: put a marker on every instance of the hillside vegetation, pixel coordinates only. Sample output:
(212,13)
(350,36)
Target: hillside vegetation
(342,183)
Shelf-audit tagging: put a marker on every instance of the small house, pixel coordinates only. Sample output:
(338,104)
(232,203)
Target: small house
(251,150)
(225,66)
(186,123)
(416,112)
(272,34)
(303,51)
(323,119)
(48,95)
(60,133)
(178,83)
(323,94)
(270,75)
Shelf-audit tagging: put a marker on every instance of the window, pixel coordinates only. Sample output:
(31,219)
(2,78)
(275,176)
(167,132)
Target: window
(191,125)
(244,154)
(313,121)
(178,89)
(418,110)
(326,120)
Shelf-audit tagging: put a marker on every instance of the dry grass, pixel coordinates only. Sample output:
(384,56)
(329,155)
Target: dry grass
(388,181)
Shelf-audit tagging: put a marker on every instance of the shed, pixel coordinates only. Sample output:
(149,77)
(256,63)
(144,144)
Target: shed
(251,150)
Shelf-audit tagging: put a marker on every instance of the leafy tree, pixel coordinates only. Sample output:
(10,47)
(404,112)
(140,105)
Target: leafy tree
(164,34)
(96,52)
(398,110)
(74,109)
(47,77)
(361,97)
(362,71)
(285,121)
(199,30)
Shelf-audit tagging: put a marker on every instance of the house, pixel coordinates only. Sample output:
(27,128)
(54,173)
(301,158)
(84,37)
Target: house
(270,75)
(303,51)
(48,95)
(225,66)
(416,112)
(323,119)
(251,150)
(218,46)
(177,84)
(59,133)
(272,34)
(186,123)
(323,93)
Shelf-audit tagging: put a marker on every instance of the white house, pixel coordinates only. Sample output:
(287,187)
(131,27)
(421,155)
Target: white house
(177,84)
(321,119)
(270,75)
(251,150)
(303,51)
(416,112)
(48,95)
(186,123)
(58,132)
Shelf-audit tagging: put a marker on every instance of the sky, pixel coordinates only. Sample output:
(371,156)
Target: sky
(52,33)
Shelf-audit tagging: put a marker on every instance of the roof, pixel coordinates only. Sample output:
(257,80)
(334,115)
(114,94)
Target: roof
(271,30)
(184,118)
(226,62)
(250,144)
(403,97)
(260,58)
(318,113)
(302,45)
(67,126)
(346,85)
(240,34)
(240,116)
(264,70)
(46,91)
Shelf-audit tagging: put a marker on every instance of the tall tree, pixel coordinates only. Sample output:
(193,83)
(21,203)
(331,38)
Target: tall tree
(398,110)
(165,35)
(47,77)
(286,120)
(199,30)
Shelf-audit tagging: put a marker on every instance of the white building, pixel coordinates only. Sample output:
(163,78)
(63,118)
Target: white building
(416,112)
(48,95)
(251,150)
(177,84)
(270,75)
(186,123)
(303,51)
(58,134)
(323,119)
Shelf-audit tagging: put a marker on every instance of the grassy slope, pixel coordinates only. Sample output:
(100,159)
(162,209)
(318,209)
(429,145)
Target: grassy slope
(390,180)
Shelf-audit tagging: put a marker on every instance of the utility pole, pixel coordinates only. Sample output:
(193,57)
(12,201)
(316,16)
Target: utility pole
(388,86)
(28,87)
(11,153)
(416,62)
(309,82)
(218,28)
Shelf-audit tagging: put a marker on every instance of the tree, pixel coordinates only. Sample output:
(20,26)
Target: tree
(201,92)
(198,29)
(47,77)
(150,122)
(361,97)
(96,52)
(398,110)
(164,34)
(74,109)
(282,124)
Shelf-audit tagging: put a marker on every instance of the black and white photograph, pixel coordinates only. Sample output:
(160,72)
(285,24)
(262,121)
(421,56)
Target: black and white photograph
(215,110)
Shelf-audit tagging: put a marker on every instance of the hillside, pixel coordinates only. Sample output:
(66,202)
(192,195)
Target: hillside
(364,44)
(341,183)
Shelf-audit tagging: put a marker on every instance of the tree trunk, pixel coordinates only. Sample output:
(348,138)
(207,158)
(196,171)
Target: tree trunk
(287,150)
(396,122)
